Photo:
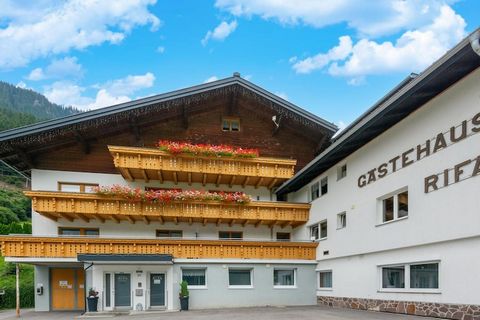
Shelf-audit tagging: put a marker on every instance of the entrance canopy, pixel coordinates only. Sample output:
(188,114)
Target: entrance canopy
(126,258)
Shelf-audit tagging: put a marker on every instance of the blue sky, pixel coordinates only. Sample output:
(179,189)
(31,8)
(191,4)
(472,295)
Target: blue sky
(332,58)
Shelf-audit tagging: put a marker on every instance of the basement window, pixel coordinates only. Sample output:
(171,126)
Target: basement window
(325,279)
(231,124)
(283,236)
(169,233)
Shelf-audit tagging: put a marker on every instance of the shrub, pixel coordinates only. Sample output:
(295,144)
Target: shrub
(184,289)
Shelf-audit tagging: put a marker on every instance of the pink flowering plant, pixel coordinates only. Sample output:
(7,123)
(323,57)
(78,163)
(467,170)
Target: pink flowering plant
(166,196)
(208,150)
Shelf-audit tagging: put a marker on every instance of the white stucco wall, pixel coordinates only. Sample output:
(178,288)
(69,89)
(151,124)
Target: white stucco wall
(440,217)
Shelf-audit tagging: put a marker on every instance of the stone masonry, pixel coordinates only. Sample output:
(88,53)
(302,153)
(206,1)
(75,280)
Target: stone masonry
(439,310)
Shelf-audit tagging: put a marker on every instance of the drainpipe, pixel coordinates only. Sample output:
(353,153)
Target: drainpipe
(85,287)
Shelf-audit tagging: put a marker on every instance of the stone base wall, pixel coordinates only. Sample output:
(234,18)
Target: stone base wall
(439,310)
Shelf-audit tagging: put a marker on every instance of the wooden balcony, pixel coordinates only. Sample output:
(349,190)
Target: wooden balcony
(85,206)
(60,247)
(152,164)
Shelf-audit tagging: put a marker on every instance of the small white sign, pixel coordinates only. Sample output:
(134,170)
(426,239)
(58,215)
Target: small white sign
(81,286)
(157,281)
(63,283)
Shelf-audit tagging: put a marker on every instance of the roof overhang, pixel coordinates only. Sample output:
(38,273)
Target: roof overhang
(126,258)
(409,96)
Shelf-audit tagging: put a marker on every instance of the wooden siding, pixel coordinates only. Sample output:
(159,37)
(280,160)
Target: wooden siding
(55,205)
(54,247)
(152,164)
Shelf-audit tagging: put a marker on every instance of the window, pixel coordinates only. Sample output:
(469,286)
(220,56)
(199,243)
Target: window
(324,186)
(341,220)
(393,277)
(411,276)
(325,279)
(78,231)
(314,232)
(169,233)
(323,229)
(195,277)
(424,276)
(319,231)
(395,207)
(232,235)
(240,277)
(283,236)
(108,291)
(341,172)
(314,191)
(77,187)
(284,278)
(230,124)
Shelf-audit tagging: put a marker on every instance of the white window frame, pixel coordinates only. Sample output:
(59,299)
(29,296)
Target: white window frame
(380,200)
(285,286)
(320,186)
(251,286)
(339,220)
(339,172)
(318,280)
(317,183)
(320,230)
(407,288)
(195,286)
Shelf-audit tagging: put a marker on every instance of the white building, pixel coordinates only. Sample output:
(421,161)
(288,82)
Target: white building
(395,206)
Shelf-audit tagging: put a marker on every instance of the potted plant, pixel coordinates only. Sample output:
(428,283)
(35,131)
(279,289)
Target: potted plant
(184,296)
(92,300)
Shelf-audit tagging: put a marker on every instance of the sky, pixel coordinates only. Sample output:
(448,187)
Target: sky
(332,58)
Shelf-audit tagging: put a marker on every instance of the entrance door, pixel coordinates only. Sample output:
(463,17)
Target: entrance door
(67,289)
(122,290)
(157,289)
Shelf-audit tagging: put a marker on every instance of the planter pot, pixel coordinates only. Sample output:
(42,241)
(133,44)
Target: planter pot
(184,303)
(92,303)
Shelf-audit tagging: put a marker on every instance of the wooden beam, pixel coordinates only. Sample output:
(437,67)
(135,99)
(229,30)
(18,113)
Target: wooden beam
(82,141)
(204,221)
(231,222)
(185,117)
(114,218)
(99,218)
(257,223)
(135,130)
(82,216)
(126,174)
(283,225)
(204,180)
(68,217)
(160,218)
(272,224)
(129,218)
(175,177)
(259,182)
(160,176)
(244,223)
(245,182)
(232,181)
(271,184)
(190,221)
(219,177)
(144,175)
(176,220)
(189,178)
(218,222)
(145,219)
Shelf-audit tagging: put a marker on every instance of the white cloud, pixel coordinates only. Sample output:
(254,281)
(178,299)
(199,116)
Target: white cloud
(341,126)
(222,31)
(66,67)
(52,28)
(282,95)
(211,79)
(412,51)
(110,93)
(372,18)
(21,85)
(160,49)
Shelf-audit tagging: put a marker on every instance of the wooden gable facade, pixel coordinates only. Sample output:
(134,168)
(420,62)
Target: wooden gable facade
(198,114)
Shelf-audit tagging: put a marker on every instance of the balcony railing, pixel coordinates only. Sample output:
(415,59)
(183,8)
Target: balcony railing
(55,247)
(152,164)
(84,206)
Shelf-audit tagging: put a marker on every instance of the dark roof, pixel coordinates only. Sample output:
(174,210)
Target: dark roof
(168,258)
(408,96)
(182,93)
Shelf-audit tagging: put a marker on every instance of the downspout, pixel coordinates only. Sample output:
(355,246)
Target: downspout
(85,287)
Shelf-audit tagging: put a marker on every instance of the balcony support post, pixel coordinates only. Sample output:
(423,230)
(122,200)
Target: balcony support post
(17,289)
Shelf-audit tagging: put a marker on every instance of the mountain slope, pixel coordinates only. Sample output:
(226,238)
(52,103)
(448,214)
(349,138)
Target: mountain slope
(29,102)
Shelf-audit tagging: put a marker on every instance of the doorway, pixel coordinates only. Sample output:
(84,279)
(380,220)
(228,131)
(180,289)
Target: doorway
(157,290)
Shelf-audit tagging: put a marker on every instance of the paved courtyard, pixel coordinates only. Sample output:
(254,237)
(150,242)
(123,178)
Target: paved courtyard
(268,313)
